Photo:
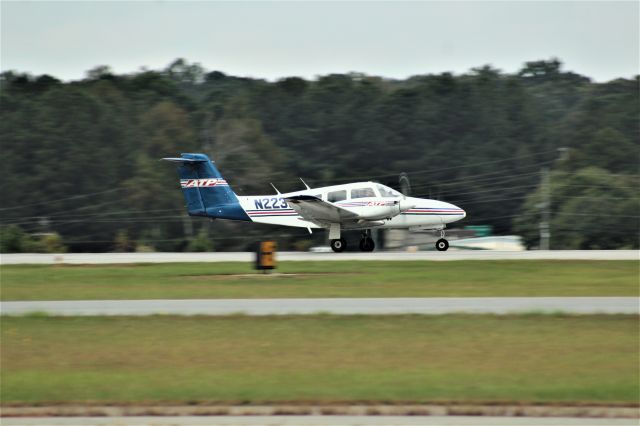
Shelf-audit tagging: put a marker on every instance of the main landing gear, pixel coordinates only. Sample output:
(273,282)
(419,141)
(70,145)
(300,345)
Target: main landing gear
(366,243)
(442,244)
(338,245)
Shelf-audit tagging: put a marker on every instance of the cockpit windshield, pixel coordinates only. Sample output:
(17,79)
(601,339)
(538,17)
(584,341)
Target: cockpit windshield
(385,191)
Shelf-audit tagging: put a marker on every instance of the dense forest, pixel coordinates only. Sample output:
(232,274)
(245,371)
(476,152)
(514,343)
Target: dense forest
(80,167)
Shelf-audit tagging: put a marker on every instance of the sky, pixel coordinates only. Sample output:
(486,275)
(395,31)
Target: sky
(272,40)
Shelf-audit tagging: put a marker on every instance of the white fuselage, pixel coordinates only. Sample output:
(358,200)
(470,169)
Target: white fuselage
(380,205)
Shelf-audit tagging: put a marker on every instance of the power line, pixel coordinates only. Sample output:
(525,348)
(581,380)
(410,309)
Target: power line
(507,179)
(421,172)
(484,180)
(63,199)
(117,213)
(60,213)
(472,201)
(505,188)
(497,189)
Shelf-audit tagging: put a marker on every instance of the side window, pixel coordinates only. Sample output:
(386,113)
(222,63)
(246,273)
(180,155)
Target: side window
(362,193)
(318,196)
(337,196)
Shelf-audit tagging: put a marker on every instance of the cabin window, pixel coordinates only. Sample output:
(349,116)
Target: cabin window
(362,193)
(318,196)
(337,196)
(385,191)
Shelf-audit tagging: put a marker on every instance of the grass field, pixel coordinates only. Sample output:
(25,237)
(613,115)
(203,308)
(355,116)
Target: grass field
(322,279)
(467,358)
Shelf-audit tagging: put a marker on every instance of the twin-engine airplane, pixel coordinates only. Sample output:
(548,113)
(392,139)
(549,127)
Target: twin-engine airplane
(353,206)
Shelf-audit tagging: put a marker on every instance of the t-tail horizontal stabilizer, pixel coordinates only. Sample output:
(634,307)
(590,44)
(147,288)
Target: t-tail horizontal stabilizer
(184,160)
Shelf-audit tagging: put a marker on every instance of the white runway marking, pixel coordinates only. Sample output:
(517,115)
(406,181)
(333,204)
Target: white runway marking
(342,306)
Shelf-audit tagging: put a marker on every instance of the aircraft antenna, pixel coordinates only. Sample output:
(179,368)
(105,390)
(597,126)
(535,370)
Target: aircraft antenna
(274,187)
(305,183)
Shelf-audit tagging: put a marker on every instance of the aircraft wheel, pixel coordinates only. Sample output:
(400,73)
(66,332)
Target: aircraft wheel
(367,244)
(338,245)
(442,244)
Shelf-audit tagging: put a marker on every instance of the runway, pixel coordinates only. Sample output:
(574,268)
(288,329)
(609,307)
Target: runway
(337,306)
(117,258)
(316,421)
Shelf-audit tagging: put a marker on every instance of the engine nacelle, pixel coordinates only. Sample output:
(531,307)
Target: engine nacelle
(373,210)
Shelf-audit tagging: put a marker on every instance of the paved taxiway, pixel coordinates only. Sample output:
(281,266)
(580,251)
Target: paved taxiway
(317,421)
(338,306)
(105,258)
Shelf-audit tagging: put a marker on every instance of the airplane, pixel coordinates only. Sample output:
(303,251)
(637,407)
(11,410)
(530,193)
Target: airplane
(354,206)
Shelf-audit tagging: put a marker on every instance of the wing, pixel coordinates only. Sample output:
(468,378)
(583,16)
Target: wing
(320,212)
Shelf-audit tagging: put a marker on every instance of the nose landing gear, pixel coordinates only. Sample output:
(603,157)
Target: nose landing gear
(442,244)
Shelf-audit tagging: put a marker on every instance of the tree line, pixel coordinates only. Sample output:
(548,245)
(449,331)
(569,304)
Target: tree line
(80,159)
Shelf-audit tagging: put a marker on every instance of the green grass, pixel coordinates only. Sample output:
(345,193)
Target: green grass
(322,359)
(322,279)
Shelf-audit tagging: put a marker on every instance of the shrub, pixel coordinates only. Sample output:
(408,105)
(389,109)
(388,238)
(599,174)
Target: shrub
(201,242)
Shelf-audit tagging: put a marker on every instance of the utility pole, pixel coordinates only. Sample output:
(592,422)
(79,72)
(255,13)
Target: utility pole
(405,188)
(545,204)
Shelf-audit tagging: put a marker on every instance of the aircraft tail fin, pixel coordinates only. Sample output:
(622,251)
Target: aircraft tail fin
(205,191)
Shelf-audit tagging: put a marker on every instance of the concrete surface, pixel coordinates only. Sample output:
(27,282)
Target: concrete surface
(103,258)
(339,306)
(301,409)
(316,421)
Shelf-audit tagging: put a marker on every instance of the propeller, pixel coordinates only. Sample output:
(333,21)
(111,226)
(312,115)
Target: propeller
(405,185)
(405,189)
